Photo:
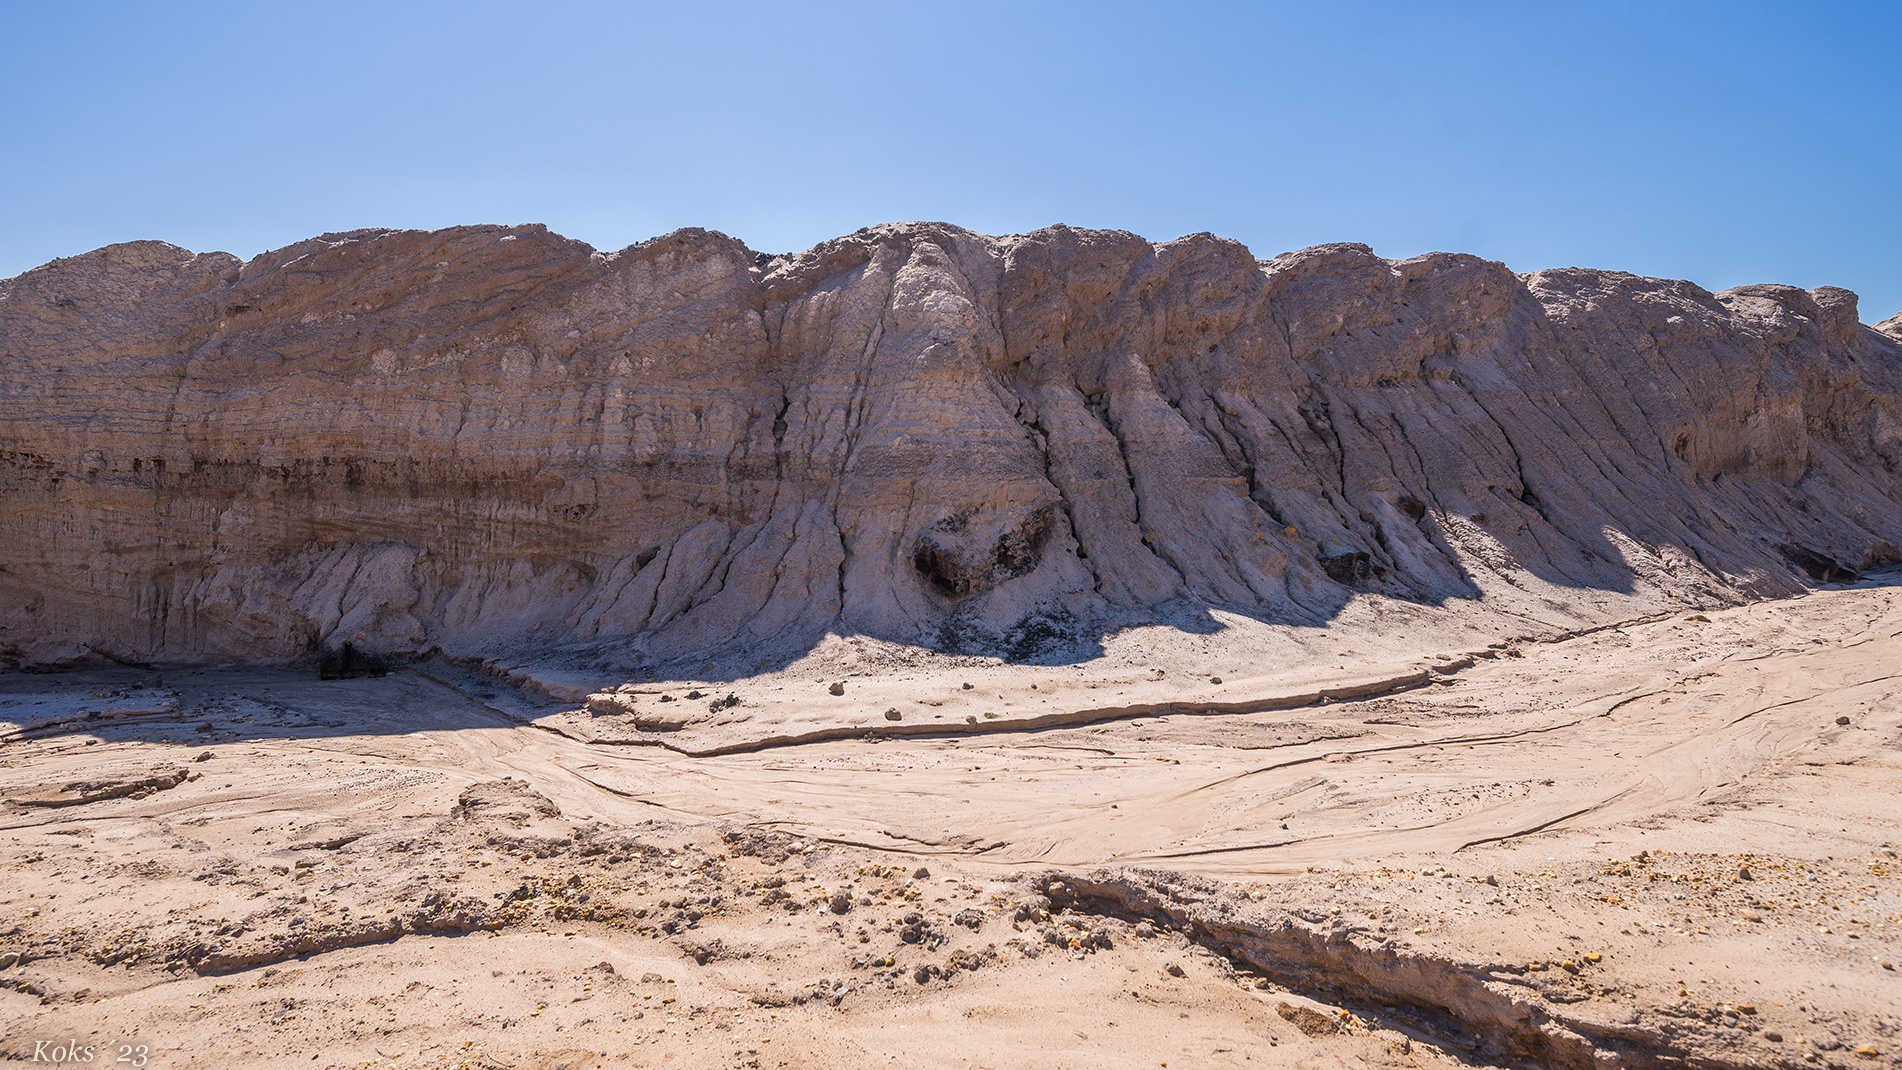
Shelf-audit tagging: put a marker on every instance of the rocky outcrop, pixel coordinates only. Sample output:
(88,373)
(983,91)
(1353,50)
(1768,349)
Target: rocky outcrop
(381,444)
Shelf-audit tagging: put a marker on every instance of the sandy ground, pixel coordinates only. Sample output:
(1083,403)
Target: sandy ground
(1667,843)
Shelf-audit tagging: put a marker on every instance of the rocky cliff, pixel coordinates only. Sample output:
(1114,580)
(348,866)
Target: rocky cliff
(488,439)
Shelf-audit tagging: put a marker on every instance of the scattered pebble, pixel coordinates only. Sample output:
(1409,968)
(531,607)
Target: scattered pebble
(837,688)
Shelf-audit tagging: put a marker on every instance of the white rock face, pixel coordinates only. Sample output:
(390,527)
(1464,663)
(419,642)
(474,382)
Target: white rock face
(485,439)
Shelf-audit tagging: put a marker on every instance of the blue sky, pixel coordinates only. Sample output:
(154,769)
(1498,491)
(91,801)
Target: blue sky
(1724,143)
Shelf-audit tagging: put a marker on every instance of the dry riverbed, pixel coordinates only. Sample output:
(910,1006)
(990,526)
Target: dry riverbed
(1669,843)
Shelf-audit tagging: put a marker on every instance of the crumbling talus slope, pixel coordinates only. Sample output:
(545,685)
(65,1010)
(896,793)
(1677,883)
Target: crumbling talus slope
(488,438)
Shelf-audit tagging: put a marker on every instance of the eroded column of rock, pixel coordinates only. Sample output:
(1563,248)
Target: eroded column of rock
(488,439)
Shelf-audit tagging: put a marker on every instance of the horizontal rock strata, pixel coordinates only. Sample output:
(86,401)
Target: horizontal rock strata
(382,444)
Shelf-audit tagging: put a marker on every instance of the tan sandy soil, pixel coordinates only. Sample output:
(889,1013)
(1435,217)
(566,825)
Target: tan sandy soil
(1665,843)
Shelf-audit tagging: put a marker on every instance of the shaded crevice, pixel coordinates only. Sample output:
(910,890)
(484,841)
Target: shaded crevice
(1042,438)
(1464,1004)
(1135,496)
(1526,495)
(1416,510)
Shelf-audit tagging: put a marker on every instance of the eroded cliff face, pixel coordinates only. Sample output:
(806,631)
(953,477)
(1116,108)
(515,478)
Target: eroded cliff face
(488,439)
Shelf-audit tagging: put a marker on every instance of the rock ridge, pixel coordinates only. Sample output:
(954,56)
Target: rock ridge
(387,444)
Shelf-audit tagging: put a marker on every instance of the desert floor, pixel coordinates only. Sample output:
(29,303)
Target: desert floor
(1668,843)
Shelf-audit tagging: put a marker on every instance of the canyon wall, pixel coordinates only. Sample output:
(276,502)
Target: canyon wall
(487,439)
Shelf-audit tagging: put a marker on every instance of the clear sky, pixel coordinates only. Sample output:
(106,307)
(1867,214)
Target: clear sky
(1721,142)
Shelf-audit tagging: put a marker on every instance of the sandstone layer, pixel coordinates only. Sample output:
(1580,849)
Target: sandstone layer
(484,440)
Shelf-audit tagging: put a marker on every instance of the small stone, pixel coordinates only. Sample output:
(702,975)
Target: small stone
(921,974)
(1308,1020)
(1746,1008)
(1744,874)
(967,687)
(893,714)
(1173,970)
(1867,1051)
(840,904)
(1886,965)
(650,978)
(1844,721)
(1593,956)
(1215,679)
(837,688)
(1772,1036)
(203,756)
(1751,915)
(9,960)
